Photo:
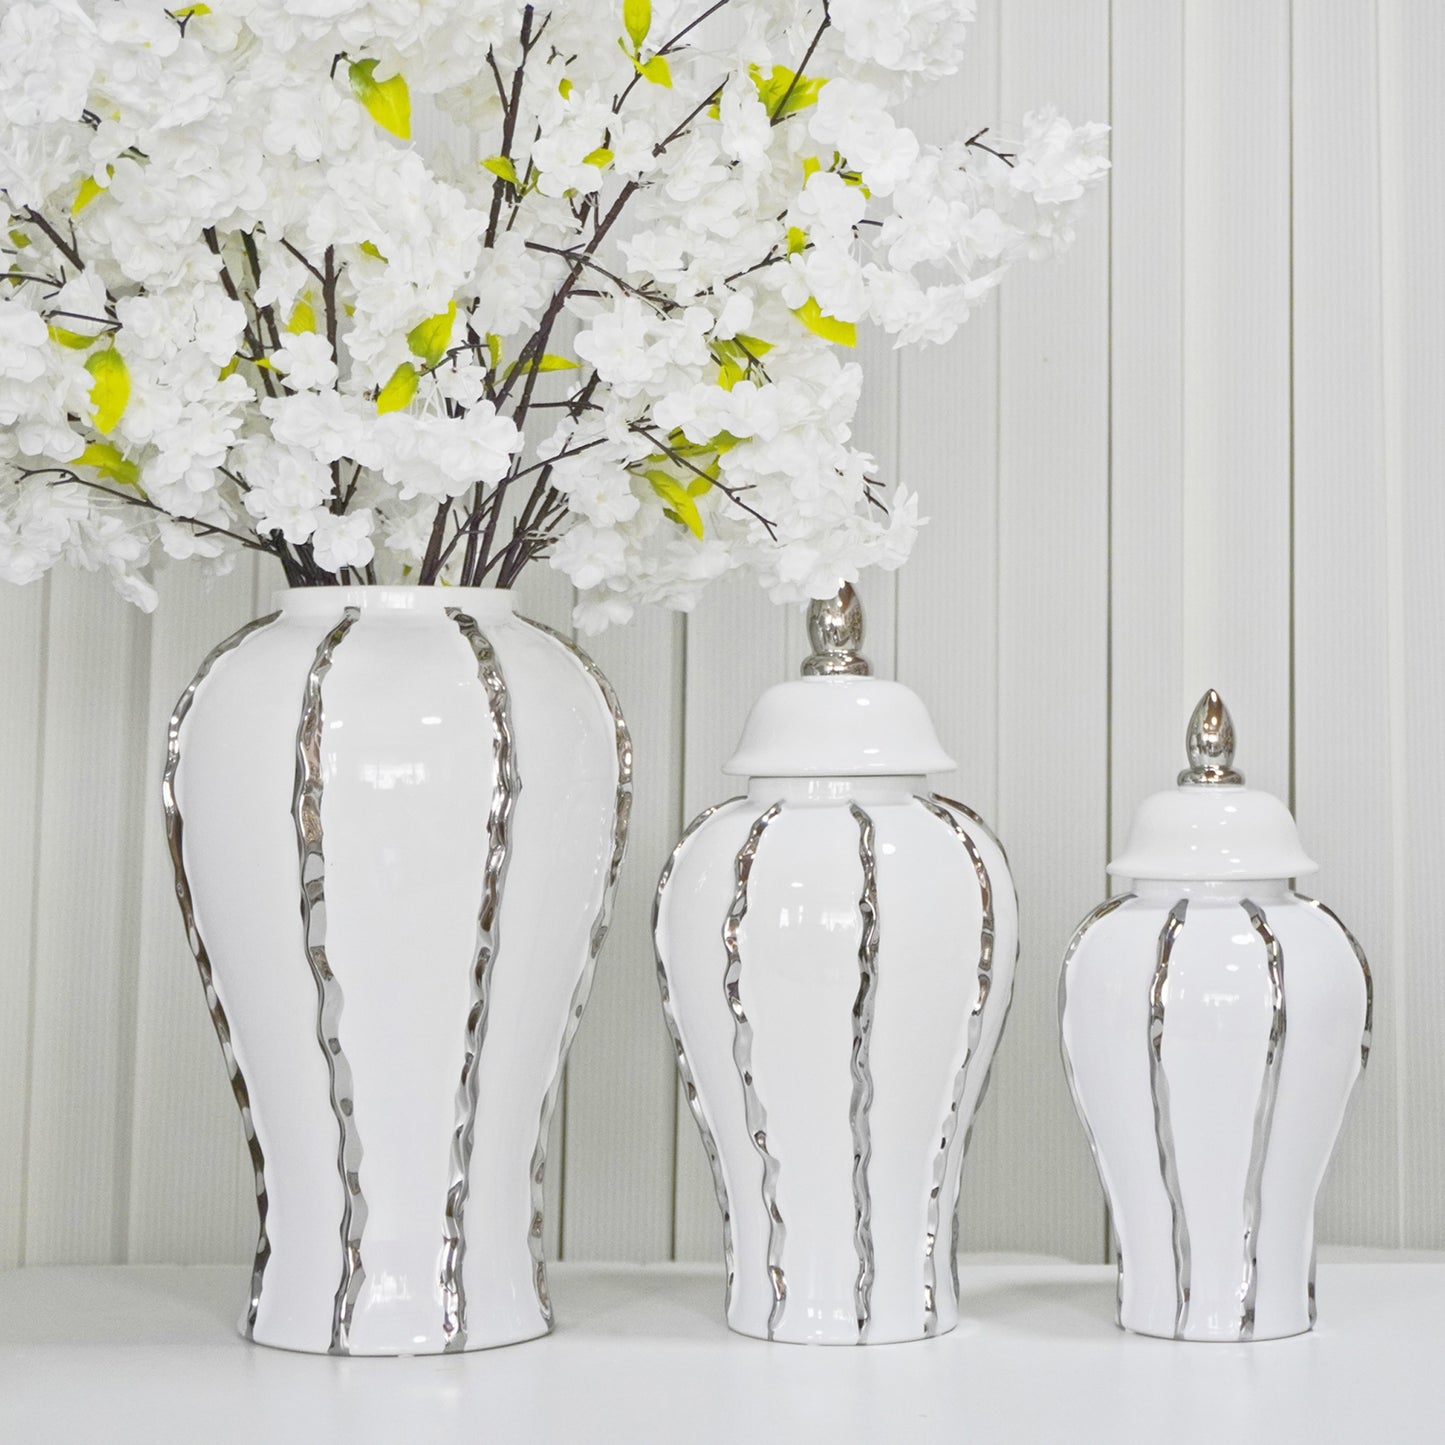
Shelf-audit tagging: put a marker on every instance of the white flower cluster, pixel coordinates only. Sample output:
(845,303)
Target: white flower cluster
(598,311)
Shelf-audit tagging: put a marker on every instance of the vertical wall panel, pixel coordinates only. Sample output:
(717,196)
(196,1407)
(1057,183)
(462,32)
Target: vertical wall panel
(621,1081)
(1237,371)
(1149,694)
(22,669)
(1343,757)
(1053,635)
(192,1192)
(1412,135)
(89,860)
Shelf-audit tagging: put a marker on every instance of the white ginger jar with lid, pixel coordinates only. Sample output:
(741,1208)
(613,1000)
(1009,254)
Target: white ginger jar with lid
(1213,1023)
(836,952)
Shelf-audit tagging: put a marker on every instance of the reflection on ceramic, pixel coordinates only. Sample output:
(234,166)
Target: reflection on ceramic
(397,816)
(1213,1025)
(836,956)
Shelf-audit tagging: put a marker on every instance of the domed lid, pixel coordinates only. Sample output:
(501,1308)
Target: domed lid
(1211,826)
(837,720)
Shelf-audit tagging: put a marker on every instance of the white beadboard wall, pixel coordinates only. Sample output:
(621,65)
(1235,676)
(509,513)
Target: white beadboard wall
(1202,450)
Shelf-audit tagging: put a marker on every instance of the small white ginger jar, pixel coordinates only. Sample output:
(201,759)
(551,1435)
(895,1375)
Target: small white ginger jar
(1213,1025)
(836,952)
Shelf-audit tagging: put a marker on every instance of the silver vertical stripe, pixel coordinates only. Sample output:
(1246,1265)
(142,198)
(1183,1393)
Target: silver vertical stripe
(1367,1034)
(1263,1113)
(684,1067)
(306,811)
(219,1021)
(1097,916)
(621,816)
(861,1100)
(1163,1127)
(504,800)
(756,1115)
(943,1158)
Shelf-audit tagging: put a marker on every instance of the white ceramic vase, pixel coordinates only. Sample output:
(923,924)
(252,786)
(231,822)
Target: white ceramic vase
(836,952)
(396,816)
(1213,1025)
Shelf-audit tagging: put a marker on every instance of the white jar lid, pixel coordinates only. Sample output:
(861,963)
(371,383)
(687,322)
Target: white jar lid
(836,720)
(1211,826)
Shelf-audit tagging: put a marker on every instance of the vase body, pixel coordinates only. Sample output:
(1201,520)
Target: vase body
(1212,1033)
(397,816)
(836,957)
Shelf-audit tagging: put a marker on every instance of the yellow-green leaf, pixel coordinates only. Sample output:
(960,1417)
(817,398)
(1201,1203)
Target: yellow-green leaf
(109,462)
(109,389)
(754,345)
(19,240)
(303,318)
(548,362)
(430,339)
(681,507)
(502,166)
(368,248)
(797,240)
(494,349)
(843,333)
(90,188)
(723,442)
(781,95)
(657,70)
(387,102)
(564,88)
(599,158)
(729,373)
(229,369)
(72,339)
(637,20)
(191,11)
(398,392)
(811,164)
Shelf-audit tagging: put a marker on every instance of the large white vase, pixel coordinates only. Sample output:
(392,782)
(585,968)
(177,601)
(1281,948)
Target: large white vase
(396,817)
(836,952)
(1214,1023)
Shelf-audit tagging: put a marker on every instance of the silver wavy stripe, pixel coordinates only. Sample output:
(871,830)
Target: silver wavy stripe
(621,817)
(977,821)
(219,1021)
(1163,1128)
(949,1129)
(861,1100)
(1263,1113)
(684,1068)
(1367,1036)
(499,819)
(306,810)
(756,1115)
(1097,916)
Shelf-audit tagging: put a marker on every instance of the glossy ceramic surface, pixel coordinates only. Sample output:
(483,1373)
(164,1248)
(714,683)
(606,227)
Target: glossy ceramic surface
(837,957)
(398,814)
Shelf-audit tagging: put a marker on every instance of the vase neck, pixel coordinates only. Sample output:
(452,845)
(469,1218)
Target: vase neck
(823,791)
(484,604)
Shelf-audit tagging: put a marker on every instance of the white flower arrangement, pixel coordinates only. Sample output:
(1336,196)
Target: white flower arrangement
(244,309)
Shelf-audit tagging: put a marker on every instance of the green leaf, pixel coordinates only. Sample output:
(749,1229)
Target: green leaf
(431,338)
(811,164)
(657,70)
(797,240)
(843,333)
(564,88)
(109,390)
(368,248)
(729,373)
(90,188)
(303,318)
(682,509)
(109,462)
(637,20)
(387,102)
(398,392)
(494,349)
(780,95)
(548,362)
(754,345)
(502,166)
(600,157)
(229,369)
(72,339)
(19,240)
(191,11)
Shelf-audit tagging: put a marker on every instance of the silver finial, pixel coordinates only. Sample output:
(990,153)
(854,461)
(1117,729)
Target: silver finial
(835,628)
(1210,743)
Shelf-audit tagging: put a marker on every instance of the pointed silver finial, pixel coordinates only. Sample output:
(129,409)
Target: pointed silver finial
(835,628)
(1210,743)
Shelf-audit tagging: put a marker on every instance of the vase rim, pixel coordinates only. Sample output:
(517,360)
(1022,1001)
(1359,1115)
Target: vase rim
(488,602)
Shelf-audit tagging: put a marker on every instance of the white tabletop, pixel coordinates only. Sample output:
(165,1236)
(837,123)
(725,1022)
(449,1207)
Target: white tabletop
(150,1354)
